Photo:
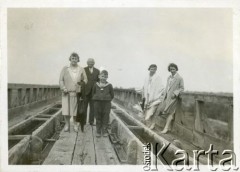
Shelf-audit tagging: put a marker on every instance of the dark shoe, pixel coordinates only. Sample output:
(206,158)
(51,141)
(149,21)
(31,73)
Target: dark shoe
(82,128)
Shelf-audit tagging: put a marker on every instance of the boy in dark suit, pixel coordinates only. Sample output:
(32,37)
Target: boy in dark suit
(92,76)
(102,97)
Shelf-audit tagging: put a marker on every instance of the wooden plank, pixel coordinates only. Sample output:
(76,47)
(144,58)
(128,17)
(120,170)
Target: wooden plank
(44,116)
(50,140)
(84,152)
(105,153)
(16,137)
(62,151)
(40,119)
(16,154)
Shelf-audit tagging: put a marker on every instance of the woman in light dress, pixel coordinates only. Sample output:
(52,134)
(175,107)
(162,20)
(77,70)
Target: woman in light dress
(153,94)
(70,78)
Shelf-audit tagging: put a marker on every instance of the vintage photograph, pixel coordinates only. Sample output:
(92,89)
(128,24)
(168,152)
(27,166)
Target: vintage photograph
(151,87)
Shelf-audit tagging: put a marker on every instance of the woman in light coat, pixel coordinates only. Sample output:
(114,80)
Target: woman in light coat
(70,78)
(152,93)
(174,88)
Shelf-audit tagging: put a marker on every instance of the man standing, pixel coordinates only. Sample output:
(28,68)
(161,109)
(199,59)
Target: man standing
(92,76)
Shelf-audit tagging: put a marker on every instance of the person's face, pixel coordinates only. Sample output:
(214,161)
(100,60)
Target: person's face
(152,70)
(103,77)
(73,60)
(173,70)
(90,64)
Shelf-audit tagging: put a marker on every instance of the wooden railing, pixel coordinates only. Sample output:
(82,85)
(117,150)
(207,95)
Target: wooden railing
(21,97)
(201,118)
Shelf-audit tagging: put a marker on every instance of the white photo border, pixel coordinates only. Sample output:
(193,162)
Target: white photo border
(5,4)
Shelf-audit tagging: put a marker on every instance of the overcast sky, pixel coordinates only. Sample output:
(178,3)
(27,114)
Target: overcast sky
(125,41)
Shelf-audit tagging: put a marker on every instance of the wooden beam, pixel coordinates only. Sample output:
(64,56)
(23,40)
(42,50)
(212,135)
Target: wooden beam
(18,151)
(44,115)
(40,119)
(50,140)
(63,149)
(105,153)
(16,137)
(135,127)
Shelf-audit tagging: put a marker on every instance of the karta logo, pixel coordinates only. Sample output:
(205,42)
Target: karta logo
(153,156)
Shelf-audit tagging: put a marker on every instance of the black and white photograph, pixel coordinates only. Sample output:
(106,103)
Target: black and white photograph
(113,88)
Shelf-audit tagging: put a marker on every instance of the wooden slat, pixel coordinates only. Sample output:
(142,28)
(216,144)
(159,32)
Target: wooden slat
(16,137)
(40,119)
(105,153)
(84,152)
(62,151)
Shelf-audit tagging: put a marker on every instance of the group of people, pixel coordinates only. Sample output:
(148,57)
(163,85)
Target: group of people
(158,99)
(82,87)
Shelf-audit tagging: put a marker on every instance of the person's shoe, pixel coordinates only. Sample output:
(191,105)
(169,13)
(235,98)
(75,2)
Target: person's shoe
(98,135)
(82,128)
(105,135)
(75,128)
(66,128)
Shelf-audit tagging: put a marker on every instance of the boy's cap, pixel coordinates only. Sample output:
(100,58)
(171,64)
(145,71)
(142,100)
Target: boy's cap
(104,72)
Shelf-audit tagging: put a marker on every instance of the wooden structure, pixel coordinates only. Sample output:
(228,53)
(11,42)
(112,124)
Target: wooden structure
(82,148)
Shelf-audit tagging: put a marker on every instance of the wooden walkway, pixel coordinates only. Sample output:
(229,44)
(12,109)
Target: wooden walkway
(82,149)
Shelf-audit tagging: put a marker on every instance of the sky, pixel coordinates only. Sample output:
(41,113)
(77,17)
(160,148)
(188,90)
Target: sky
(125,41)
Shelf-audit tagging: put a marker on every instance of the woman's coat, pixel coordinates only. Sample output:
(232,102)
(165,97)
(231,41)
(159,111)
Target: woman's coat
(172,88)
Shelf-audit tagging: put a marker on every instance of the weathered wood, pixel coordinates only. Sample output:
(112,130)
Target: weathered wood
(18,151)
(16,137)
(50,140)
(135,127)
(40,119)
(84,152)
(44,116)
(48,128)
(54,108)
(105,153)
(62,151)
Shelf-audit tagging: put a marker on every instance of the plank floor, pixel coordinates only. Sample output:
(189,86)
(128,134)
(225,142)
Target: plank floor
(82,148)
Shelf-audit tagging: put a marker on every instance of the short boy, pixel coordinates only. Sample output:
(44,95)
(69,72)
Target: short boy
(102,95)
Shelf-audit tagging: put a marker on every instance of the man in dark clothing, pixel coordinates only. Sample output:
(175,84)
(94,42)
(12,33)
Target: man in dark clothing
(92,76)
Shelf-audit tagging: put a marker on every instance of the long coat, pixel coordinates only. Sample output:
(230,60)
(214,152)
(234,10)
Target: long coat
(153,90)
(174,88)
(69,101)
(92,79)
